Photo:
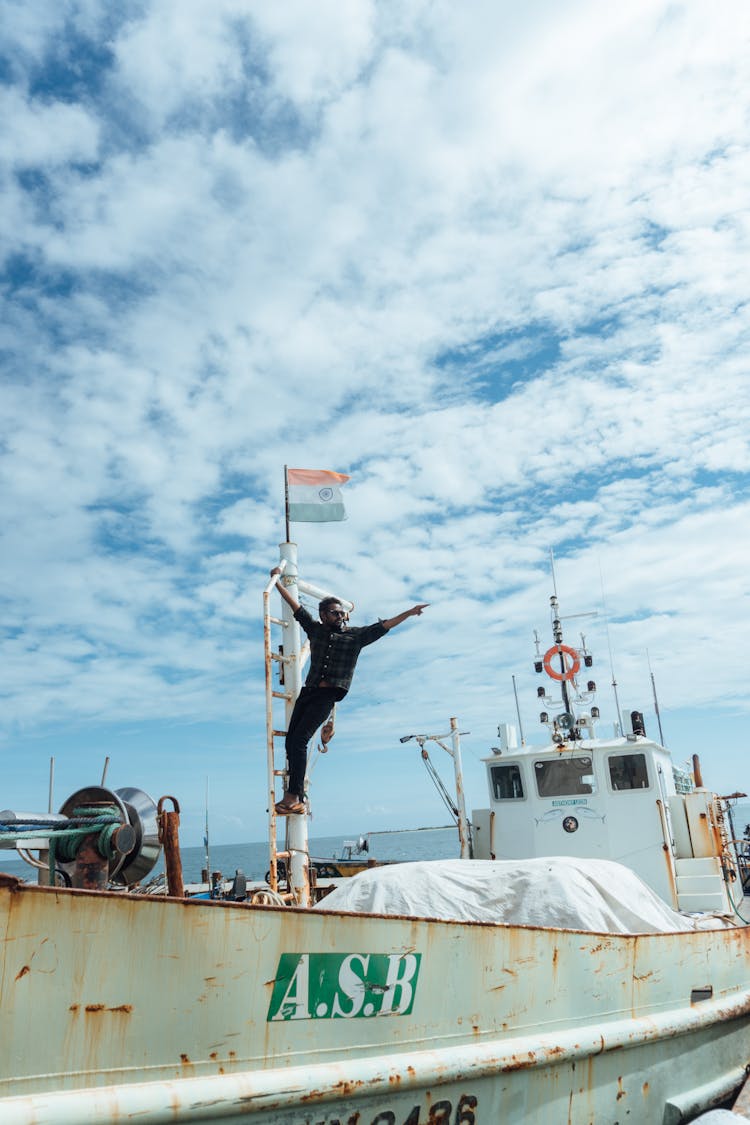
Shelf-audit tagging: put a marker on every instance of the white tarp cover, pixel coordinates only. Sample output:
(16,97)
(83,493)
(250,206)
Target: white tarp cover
(557,891)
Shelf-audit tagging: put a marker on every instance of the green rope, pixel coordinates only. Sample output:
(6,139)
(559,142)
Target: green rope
(87,820)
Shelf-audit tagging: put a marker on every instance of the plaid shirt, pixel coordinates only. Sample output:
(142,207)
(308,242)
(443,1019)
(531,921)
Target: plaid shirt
(333,655)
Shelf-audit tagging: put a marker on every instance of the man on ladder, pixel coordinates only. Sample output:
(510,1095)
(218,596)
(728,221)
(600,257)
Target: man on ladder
(334,649)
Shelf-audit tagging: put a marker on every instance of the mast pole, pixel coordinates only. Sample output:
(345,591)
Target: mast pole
(296,826)
(463,825)
(557,633)
(286,503)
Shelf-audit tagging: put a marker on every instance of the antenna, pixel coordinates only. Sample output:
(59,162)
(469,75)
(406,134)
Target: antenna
(656,701)
(518,712)
(552,568)
(206,845)
(609,646)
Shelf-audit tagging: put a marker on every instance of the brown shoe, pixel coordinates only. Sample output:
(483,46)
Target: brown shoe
(290,807)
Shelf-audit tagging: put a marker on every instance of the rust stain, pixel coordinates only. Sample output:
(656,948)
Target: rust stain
(92,1008)
(74,1007)
(620,1092)
(184,1060)
(22,972)
(213,1055)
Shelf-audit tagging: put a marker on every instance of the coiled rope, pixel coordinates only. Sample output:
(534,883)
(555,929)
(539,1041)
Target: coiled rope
(64,841)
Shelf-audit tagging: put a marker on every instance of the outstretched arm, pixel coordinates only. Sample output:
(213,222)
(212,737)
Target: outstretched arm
(415,611)
(290,601)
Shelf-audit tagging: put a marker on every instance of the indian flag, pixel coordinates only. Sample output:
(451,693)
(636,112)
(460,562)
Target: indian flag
(314,495)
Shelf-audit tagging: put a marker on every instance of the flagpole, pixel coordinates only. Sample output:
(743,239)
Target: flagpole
(286,502)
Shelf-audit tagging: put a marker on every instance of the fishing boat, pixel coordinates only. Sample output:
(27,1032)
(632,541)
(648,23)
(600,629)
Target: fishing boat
(448,1002)
(354,859)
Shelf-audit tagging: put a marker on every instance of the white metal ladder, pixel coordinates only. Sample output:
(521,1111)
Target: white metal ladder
(284,660)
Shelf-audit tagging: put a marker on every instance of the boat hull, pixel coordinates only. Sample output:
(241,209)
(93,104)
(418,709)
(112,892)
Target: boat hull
(119,1007)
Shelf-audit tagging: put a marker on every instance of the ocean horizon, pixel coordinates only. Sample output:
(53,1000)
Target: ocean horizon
(252,859)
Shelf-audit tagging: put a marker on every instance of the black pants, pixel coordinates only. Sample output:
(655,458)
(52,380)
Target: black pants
(313,706)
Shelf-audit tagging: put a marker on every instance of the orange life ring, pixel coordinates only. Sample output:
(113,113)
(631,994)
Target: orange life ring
(559,650)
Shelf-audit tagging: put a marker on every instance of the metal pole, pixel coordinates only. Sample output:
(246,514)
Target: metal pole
(169,838)
(463,828)
(298,863)
(50,804)
(656,708)
(518,711)
(697,775)
(286,502)
(270,763)
(557,633)
(206,844)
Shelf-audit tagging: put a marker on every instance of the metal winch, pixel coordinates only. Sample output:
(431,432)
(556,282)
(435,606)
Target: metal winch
(99,837)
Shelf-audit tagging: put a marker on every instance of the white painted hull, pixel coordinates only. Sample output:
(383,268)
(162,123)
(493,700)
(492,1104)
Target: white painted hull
(125,1008)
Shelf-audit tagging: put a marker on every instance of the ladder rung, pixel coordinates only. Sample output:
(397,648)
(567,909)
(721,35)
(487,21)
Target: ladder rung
(279,734)
(283,855)
(280,658)
(281,695)
(278,621)
(279,773)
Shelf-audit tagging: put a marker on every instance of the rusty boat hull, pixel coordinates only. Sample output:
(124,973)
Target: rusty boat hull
(119,1007)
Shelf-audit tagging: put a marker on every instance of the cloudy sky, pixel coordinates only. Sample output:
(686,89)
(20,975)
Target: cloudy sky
(489,259)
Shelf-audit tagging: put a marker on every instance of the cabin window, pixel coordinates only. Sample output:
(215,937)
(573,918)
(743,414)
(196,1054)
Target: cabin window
(564,777)
(628,771)
(506,782)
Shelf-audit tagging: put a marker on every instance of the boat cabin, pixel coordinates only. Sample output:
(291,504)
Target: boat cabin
(618,799)
(587,799)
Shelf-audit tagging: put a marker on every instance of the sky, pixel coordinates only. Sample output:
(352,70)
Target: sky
(488,259)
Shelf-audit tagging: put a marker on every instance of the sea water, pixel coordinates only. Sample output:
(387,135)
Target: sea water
(253,859)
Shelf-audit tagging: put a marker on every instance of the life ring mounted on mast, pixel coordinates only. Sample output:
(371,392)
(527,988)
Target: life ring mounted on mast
(562,651)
